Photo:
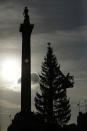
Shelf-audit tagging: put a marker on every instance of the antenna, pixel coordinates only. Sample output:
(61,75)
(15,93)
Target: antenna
(78,106)
(0,127)
(85,105)
(10,117)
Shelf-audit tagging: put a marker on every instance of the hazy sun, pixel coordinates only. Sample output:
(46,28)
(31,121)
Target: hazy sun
(10,70)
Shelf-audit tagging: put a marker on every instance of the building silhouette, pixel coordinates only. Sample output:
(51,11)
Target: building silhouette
(26,29)
(82,121)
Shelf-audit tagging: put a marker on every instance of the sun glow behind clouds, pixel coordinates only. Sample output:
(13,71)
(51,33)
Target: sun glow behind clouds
(10,70)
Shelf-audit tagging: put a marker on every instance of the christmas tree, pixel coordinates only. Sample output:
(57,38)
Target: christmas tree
(51,102)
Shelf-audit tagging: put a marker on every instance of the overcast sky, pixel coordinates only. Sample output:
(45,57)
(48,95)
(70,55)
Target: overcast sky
(61,22)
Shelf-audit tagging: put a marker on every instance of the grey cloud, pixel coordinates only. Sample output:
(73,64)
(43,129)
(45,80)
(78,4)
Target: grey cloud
(34,78)
(19,81)
(47,15)
(67,45)
(59,15)
(72,50)
(10,96)
(15,2)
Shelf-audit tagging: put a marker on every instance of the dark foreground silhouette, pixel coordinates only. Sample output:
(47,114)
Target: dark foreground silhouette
(25,121)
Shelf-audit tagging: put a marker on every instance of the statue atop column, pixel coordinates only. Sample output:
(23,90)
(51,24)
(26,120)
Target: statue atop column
(26,16)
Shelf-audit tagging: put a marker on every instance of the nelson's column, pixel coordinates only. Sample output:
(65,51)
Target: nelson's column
(26,29)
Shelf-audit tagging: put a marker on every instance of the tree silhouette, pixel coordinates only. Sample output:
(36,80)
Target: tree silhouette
(51,101)
(62,108)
